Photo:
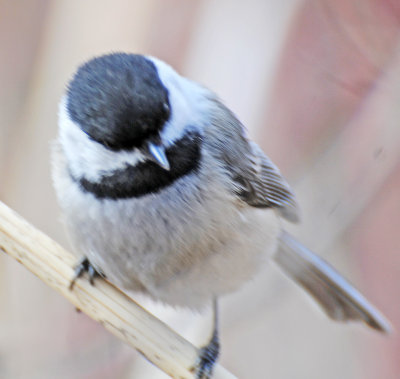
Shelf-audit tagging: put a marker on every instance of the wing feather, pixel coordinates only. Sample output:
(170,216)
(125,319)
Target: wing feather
(258,181)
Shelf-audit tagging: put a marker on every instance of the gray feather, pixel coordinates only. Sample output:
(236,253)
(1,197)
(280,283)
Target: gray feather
(258,181)
(338,298)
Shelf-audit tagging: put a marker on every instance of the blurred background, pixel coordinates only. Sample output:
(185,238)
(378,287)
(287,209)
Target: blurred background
(317,83)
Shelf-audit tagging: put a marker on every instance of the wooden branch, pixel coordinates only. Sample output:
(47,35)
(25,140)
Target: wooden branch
(103,302)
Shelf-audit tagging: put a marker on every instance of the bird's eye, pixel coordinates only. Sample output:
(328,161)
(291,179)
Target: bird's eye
(108,145)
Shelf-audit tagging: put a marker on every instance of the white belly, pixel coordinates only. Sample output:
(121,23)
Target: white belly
(181,246)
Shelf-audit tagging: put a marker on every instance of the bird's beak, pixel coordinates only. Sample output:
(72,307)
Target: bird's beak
(157,153)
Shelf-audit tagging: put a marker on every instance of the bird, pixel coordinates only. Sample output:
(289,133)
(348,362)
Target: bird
(163,193)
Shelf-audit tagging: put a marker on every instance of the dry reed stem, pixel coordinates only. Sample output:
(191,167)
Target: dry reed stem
(103,302)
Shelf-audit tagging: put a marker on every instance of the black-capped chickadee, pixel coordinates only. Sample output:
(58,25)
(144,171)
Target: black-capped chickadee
(163,193)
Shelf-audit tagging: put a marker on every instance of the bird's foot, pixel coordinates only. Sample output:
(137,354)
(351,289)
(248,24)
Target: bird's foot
(83,266)
(207,358)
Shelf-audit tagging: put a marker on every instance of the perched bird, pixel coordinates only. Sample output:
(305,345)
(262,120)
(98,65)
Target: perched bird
(163,193)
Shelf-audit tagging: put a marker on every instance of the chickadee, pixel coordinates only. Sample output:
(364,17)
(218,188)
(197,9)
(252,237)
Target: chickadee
(163,193)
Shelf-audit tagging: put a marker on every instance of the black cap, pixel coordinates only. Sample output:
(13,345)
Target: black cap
(118,100)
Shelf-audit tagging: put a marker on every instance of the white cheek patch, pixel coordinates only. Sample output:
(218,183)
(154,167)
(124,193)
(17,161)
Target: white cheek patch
(189,103)
(88,158)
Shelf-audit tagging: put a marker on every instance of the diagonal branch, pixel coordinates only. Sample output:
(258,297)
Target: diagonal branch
(103,302)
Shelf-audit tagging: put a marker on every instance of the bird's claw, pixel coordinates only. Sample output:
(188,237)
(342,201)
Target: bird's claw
(207,358)
(83,266)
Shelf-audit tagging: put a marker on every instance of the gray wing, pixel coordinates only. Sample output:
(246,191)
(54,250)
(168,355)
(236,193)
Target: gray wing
(266,187)
(258,182)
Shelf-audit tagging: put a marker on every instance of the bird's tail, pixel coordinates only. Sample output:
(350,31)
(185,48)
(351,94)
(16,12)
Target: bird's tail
(338,298)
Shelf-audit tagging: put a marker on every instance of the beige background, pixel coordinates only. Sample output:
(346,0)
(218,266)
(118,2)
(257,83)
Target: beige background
(318,85)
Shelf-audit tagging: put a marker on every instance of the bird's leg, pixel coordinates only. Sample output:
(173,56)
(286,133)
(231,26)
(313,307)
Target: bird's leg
(210,352)
(83,266)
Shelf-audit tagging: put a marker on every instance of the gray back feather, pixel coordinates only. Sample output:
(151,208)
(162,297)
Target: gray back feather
(258,182)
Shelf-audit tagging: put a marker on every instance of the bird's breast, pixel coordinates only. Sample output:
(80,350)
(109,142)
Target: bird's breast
(183,244)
